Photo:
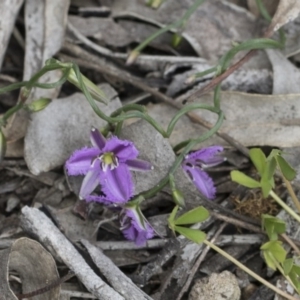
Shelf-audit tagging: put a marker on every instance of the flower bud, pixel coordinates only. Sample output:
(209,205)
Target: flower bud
(95,92)
(154,3)
(2,145)
(176,39)
(132,57)
(178,197)
(39,104)
(190,80)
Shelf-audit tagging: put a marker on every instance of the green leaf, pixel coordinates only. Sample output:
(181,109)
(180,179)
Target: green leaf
(244,180)
(275,248)
(172,217)
(295,279)
(196,215)
(287,266)
(270,169)
(273,226)
(194,235)
(296,269)
(266,187)
(269,260)
(287,171)
(274,153)
(259,160)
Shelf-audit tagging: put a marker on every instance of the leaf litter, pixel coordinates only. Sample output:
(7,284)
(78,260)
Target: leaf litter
(259,100)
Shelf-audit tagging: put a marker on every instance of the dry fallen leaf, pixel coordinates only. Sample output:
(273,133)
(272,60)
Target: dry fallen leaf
(286,76)
(9,12)
(287,11)
(105,30)
(45,28)
(35,266)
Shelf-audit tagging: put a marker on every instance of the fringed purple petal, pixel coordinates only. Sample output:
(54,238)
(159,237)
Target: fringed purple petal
(138,165)
(208,156)
(97,139)
(117,184)
(137,227)
(123,149)
(90,182)
(202,181)
(80,161)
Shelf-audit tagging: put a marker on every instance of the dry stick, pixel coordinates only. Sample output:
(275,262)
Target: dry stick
(198,262)
(239,223)
(236,222)
(292,193)
(289,241)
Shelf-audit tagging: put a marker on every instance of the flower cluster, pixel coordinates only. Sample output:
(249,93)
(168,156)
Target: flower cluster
(107,164)
(196,162)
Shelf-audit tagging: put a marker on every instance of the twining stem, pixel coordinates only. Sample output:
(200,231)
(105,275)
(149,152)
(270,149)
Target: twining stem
(177,24)
(248,271)
(292,193)
(284,206)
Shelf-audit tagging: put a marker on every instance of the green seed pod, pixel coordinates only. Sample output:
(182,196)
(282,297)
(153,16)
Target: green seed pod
(95,92)
(39,104)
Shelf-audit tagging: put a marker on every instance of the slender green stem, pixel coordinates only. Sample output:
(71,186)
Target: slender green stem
(254,44)
(52,85)
(284,206)
(217,96)
(178,23)
(185,110)
(43,71)
(13,87)
(118,128)
(248,271)
(129,107)
(181,145)
(263,11)
(152,192)
(9,113)
(206,72)
(120,118)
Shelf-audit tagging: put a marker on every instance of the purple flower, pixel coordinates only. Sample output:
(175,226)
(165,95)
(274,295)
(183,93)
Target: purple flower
(107,164)
(195,162)
(134,225)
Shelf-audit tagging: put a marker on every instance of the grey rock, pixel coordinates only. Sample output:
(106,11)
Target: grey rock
(62,127)
(217,287)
